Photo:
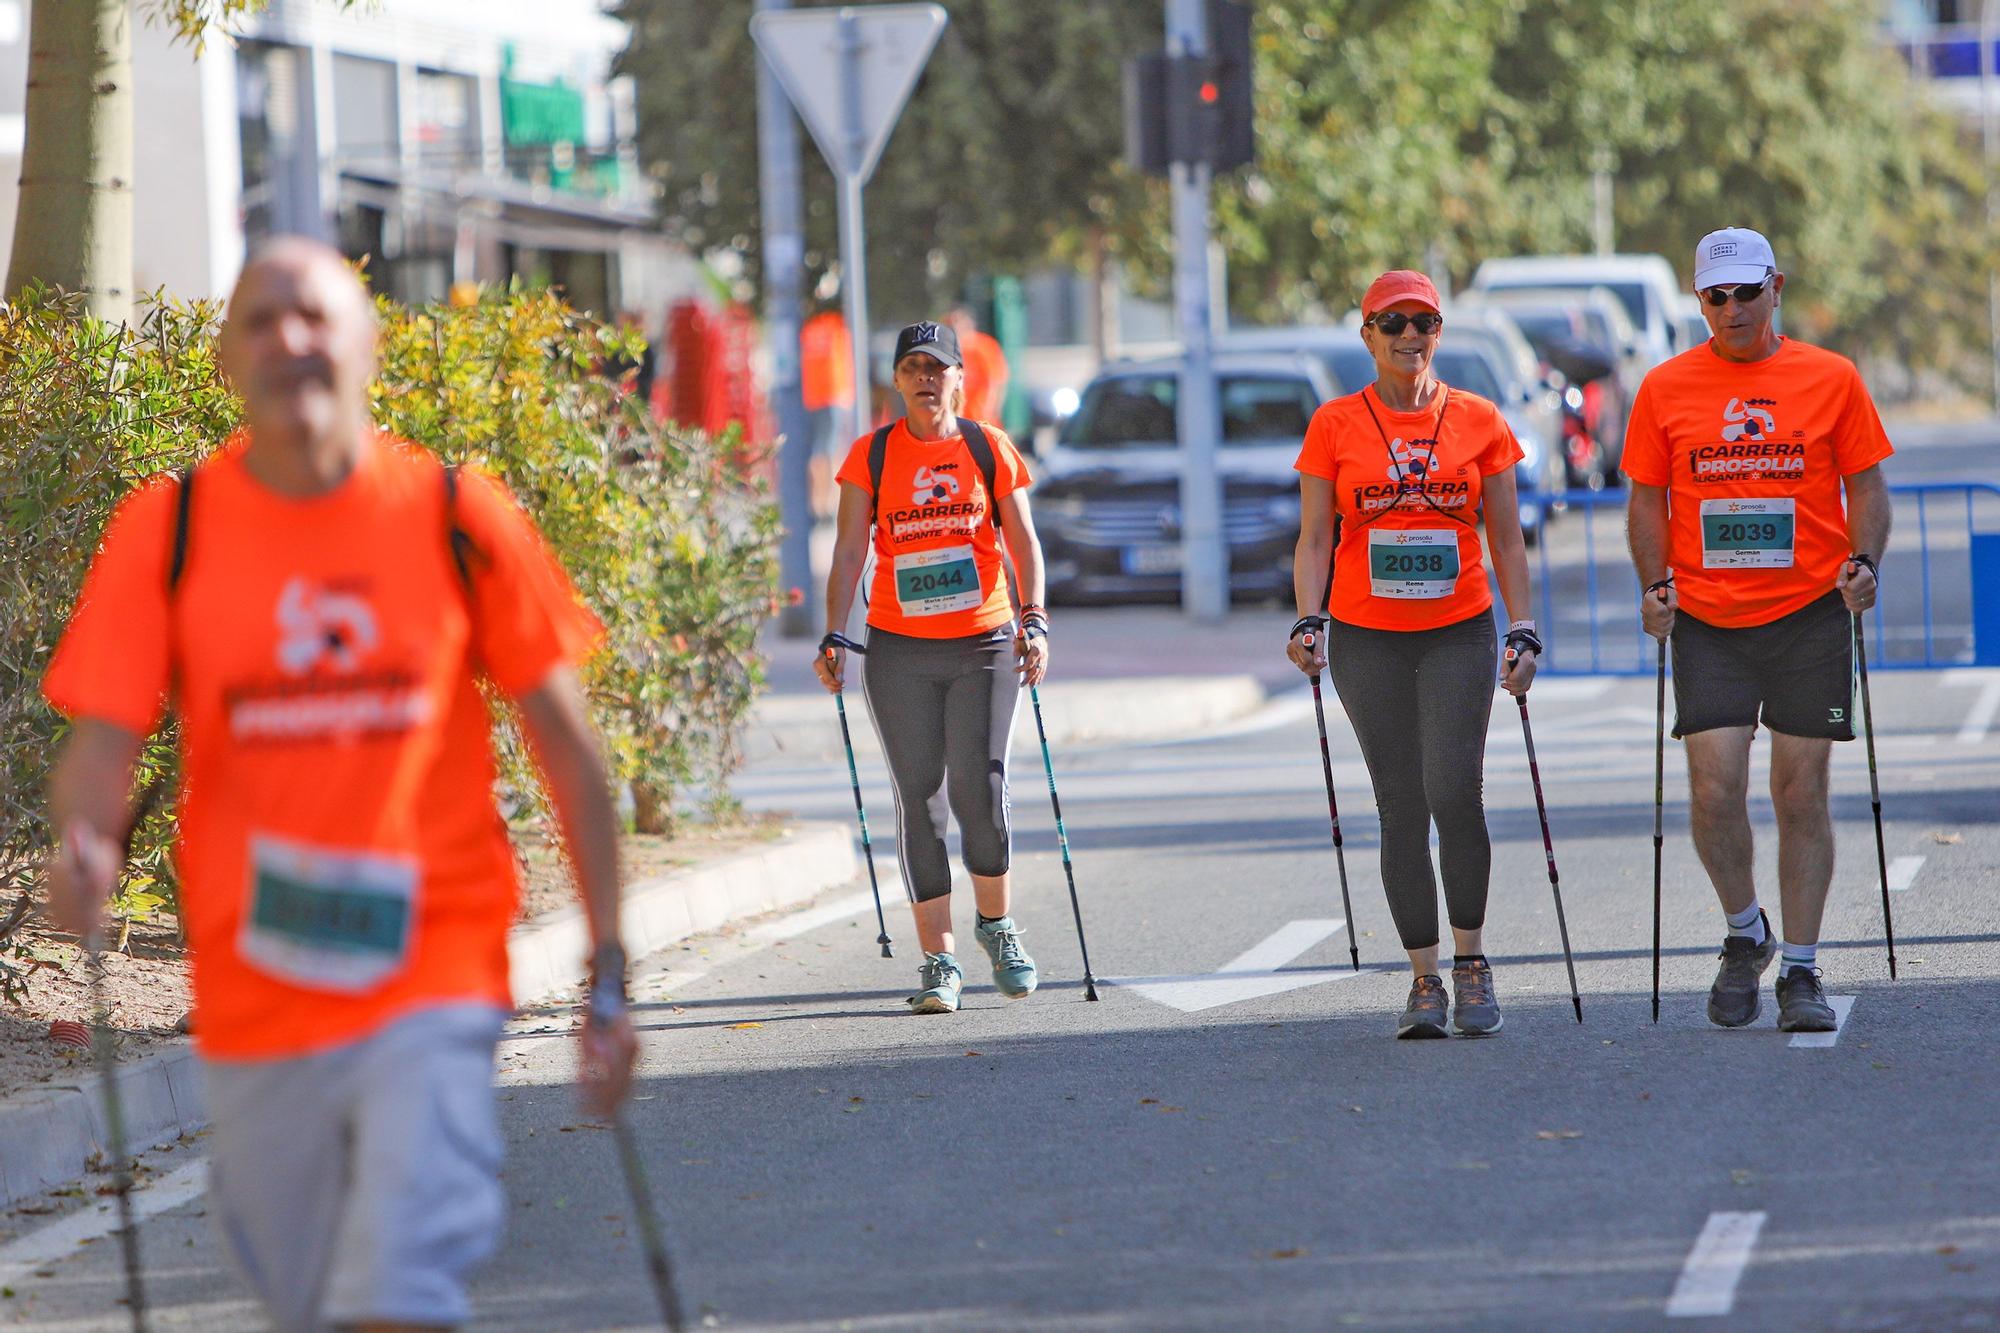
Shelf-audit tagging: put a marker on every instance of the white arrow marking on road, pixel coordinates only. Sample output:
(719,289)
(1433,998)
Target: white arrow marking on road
(1981,717)
(1903,872)
(1250,976)
(1841,1004)
(1707,1285)
(60,1239)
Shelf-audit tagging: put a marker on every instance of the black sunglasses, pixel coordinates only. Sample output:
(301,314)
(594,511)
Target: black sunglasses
(1392,322)
(1744,292)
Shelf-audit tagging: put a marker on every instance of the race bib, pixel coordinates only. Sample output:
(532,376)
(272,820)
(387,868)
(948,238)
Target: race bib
(1412,562)
(930,583)
(328,919)
(1739,533)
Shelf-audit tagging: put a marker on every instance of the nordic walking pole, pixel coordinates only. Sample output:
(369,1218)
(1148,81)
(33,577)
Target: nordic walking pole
(114,1123)
(1659,798)
(1062,840)
(657,1265)
(827,645)
(1874,789)
(1548,846)
(1308,639)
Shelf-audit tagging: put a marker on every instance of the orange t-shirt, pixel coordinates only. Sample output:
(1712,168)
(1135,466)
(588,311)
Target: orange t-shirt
(938,569)
(1752,456)
(1407,490)
(826,362)
(985,375)
(341,859)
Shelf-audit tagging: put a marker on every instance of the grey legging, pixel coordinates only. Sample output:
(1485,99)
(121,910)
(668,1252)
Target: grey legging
(944,709)
(1419,701)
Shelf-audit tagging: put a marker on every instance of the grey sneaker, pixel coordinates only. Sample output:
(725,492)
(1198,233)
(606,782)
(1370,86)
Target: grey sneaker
(1732,1000)
(1013,971)
(1802,1005)
(1424,1016)
(1475,1009)
(941,981)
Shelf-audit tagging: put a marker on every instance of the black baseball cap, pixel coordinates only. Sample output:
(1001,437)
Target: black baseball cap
(938,340)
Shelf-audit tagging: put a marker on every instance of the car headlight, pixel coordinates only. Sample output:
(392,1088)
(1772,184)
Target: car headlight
(1064,402)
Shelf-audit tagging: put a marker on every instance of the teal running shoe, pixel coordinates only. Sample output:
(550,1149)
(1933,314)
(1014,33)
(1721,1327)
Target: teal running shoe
(1013,971)
(941,983)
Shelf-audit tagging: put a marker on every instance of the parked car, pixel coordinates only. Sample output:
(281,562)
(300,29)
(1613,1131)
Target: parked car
(1585,336)
(1107,503)
(1645,284)
(1481,352)
(1693,324)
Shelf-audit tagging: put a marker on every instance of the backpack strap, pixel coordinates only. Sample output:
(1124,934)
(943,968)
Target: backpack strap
(982,453)
(456,538)
(183,506)
(878,455)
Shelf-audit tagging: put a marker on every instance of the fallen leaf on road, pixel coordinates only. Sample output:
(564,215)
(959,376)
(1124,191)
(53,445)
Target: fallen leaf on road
(1947,1249)
(1173,1108)
(854,1099)
(1149,1101)
(739,1027)
(972,1052)
(1287,1254)
(1743,1176)
(1558,1134)
(1946,839)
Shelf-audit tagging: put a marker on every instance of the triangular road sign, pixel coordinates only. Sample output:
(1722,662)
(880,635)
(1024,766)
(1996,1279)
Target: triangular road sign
(849,71)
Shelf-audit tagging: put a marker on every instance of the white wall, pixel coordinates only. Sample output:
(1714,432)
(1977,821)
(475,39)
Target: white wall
(187,174)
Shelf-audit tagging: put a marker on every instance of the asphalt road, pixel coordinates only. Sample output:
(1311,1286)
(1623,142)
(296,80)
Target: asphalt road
(1276,1160)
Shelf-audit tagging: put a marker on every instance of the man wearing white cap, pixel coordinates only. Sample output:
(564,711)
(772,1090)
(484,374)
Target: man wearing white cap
(1757,515)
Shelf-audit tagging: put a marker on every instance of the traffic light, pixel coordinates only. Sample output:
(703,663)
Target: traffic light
(1194,109)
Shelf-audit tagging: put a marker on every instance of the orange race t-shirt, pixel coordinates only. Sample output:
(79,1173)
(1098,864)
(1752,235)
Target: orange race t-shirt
(985,375)
(826,362)
(1752,456)
(341,859)
(1407,490)
(938,571)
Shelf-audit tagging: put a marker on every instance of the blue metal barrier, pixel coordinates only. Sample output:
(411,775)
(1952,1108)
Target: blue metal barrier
(1940,603)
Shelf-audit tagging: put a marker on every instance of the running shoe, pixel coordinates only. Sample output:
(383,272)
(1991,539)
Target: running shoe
(1013,971)
(1732,1000)
(1475,1009)
(941,981)
(1425,1014)
(1802,1005)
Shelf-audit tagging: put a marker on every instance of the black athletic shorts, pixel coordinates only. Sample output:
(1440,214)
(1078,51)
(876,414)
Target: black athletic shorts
(1796,674)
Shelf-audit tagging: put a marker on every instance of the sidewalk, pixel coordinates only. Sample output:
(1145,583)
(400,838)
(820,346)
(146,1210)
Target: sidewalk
(50,1135)
(1116,674)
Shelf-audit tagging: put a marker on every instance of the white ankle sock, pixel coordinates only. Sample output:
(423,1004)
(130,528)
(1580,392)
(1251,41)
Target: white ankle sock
(1748,923)
(1798,956)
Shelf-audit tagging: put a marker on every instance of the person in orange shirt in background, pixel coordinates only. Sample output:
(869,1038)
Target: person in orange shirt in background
(826,380)
(320,599)
(946,664)
(985,367)
(1392,481)
(1740,451)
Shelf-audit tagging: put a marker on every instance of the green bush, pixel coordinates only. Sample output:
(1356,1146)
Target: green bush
(669,535)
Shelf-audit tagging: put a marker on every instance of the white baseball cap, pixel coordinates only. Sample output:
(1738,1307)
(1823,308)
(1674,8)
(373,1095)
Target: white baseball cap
(1732,255)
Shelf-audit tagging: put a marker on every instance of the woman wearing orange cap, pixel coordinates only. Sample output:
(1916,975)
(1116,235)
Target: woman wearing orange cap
(1391,584)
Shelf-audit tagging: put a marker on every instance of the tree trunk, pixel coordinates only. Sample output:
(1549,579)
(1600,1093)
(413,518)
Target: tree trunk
(73,228)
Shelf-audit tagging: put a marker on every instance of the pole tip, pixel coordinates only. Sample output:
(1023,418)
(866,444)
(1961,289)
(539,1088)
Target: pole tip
(1089,990)
(884,942)
(1578,1002)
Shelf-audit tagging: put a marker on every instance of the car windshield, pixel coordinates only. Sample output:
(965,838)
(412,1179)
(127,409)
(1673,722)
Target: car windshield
(1139,410)
(1460,367)
(1631,295)
(1544,327)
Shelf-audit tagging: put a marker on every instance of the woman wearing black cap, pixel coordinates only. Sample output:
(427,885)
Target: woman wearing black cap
(945,663)
(1398,475)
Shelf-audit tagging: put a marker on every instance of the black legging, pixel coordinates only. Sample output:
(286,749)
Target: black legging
(944,709)
(1419,701)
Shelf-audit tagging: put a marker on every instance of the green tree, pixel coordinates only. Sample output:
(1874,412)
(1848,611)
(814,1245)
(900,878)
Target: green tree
(73,228)
(1007,153)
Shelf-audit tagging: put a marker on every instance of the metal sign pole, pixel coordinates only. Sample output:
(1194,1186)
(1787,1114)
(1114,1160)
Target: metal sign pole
(853,244)
(1205,559)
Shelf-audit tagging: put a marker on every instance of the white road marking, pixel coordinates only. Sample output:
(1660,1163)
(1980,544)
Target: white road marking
(1251,975)
(1841,1004)
(60,1239)
(1707,1285)
(1980,719)
(1903,872)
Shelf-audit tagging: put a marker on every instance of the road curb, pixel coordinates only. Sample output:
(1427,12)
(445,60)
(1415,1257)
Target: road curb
(1076,712)
(49,1134)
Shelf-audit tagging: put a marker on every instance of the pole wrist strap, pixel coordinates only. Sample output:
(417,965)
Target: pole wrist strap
(1863,558)
(1317,624)
(838,640)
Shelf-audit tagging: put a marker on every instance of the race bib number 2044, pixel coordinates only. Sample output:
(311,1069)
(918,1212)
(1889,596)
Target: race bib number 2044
(931,583)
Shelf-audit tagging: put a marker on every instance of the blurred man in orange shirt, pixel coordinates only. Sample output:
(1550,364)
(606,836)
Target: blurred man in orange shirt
(826,377)
(321,602)
(985,367)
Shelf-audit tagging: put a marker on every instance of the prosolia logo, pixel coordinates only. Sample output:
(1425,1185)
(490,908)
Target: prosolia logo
(932,486)
(1749,419)
(321,626)
(1406,463)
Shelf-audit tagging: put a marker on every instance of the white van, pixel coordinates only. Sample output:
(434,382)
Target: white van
(1644,284)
